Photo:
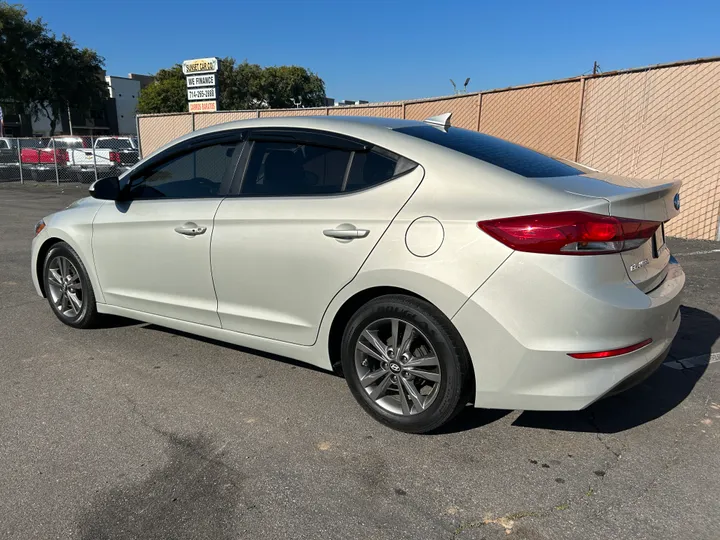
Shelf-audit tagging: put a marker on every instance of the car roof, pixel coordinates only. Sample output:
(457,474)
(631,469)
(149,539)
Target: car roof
(341,124)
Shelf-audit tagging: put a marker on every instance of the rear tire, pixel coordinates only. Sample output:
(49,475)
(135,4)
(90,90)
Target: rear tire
(406,364)
(68,288)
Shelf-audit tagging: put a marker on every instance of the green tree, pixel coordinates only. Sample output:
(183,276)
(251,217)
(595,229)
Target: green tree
(44,73)
(166,94)
(20,58)
(292,86)
(74,79)
(242,86)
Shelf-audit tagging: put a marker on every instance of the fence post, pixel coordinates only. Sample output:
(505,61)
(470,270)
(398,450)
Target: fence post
(20,160)
(403,110)
(137,132)
(55,160)
(579,119)
(479,109)
(192,117)
(92,149)
(258,112)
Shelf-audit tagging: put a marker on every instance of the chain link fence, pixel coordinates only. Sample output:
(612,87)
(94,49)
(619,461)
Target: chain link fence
(67,158)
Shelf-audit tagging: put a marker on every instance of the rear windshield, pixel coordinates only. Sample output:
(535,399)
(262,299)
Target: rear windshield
(117,144)
(509,156)
(67,143)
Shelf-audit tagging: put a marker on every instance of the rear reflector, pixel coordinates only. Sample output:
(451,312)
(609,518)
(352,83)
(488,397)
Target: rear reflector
(570,233)
(612,352)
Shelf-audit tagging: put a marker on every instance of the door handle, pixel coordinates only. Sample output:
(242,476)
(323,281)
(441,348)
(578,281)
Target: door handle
(190,229)
(346,233)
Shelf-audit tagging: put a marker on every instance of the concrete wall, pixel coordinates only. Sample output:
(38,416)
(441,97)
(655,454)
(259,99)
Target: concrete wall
(126,92)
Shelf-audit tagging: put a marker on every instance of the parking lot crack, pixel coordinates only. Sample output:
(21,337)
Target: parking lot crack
(598,434)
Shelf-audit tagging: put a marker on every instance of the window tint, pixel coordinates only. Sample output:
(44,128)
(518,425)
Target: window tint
(284,168)
(509,156)
(196,174)
(375,167)
(116,144)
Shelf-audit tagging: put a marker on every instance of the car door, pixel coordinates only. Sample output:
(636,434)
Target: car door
(152,250)
(309,211)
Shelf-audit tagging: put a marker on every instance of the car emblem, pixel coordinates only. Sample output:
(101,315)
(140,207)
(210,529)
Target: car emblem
(639,265)
(676,201)
(394,367)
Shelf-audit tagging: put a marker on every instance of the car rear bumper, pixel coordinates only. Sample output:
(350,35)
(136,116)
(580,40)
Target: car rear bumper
(521,325)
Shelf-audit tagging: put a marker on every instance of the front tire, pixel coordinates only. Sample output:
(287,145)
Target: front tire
(68,288)
(406,364)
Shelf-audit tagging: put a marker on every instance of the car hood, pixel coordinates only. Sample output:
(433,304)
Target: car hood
(85,201)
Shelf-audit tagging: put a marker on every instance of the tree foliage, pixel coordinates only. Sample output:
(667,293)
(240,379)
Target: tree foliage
(242,86)
(43,72)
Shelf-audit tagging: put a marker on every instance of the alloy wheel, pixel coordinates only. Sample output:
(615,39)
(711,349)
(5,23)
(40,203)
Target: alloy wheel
(397,366)
(65,287)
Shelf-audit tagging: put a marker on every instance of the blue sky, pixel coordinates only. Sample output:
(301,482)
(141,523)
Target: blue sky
(393,49)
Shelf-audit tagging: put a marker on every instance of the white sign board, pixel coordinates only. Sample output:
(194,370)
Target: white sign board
(200,65)
(200,80)
(202,106)
(201,93)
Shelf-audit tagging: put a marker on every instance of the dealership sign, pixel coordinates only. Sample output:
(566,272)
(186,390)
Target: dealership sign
(200,80)
(203,106)
(201,93)
(200,65)
(202,83)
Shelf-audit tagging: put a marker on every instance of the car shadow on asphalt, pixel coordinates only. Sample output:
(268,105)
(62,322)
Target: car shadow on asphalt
(115,321)
(239,348)
(660,393)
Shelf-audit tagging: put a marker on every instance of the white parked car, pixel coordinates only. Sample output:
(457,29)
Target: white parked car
(433,265)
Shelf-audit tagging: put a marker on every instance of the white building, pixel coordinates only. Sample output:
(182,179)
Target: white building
(125,92)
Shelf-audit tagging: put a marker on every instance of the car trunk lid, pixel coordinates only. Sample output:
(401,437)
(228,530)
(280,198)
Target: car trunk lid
(647,200)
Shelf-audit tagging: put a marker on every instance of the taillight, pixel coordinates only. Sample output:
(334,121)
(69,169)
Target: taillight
(115,156)
(61,156)
(29,156)
(570,233)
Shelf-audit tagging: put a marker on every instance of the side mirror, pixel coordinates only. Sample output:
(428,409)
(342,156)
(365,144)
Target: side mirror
(106,189)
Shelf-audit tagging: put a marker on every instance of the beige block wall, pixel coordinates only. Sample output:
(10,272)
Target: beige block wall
(203,120)
(661,124)
(156,130)
(464,110)
(544,118)
(394,111)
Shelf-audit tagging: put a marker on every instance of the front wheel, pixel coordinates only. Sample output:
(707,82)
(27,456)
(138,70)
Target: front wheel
(406,364)
(68,288)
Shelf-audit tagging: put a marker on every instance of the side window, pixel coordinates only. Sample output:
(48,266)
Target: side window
(288,168)
(199,173)
(375,167)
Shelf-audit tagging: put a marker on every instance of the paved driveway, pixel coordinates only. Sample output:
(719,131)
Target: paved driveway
(133,431)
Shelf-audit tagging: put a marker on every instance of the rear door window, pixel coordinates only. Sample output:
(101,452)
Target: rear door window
(509,156)
(277,169)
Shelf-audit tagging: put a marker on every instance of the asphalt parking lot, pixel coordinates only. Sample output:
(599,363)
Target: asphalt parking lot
(133,431)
